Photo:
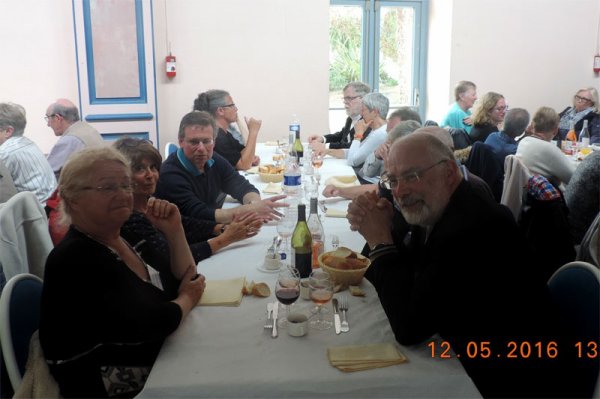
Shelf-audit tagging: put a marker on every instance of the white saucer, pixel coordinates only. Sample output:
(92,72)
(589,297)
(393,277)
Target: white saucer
(265,270)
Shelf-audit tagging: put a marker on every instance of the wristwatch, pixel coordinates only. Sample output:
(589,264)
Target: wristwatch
(222,229)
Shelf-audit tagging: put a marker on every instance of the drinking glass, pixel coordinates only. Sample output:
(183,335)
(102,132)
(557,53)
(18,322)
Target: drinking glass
(317,162)
(321,292)
(335,242)
(285,227)
(287,291)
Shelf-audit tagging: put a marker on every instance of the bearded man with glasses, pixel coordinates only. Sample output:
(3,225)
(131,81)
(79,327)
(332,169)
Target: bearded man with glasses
(462,271)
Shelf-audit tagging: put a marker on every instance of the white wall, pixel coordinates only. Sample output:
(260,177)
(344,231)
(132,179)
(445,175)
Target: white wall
(272,55)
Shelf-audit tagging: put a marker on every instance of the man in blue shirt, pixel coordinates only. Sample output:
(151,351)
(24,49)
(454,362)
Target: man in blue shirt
(195,177)
(503,143)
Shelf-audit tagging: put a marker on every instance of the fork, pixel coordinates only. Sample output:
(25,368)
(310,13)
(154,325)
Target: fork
(322,206)
(269,322)
(344,307)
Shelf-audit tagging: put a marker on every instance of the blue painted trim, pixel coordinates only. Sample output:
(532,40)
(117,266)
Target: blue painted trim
(119,117)
(87,26)
(154,77)
(116,136)
(77,58)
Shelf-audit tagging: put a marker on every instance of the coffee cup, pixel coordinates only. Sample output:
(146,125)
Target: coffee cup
(272,263)
(297,324)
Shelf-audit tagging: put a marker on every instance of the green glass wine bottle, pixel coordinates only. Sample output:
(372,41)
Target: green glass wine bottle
(302,244)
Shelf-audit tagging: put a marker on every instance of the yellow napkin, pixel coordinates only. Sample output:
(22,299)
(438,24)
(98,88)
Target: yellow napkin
(342,181)
(335,213)
(364,357)
(252,170)
(273,188)
(271,143)
(223,292)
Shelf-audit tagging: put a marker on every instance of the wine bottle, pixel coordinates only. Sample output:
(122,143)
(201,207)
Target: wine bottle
(302,244)
(298,148)
(317,233)
(584,135)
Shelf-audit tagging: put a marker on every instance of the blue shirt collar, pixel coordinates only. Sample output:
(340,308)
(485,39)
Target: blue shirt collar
(190,167)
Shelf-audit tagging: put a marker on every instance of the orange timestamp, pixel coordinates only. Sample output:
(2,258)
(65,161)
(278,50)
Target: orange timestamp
(512,350)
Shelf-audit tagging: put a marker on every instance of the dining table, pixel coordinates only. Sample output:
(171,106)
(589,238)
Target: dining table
(226,351)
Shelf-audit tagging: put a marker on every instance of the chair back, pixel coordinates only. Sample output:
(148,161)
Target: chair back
(19,319)
(589,251)
(460,138)
(170,148)
(483,162)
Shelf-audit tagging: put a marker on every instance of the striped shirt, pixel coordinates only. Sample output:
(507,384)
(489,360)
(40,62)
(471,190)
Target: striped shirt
(29,168)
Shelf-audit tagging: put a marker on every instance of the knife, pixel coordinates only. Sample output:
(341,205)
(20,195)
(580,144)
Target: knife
(275,312)
(336,316)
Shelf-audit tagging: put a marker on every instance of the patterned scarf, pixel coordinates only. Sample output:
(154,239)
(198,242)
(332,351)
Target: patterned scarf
(571,115)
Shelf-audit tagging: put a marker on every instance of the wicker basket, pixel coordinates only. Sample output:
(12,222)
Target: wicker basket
(344,277)
(271,178)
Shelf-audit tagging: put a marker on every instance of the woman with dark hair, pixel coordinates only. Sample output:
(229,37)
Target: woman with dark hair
(489,116)
(220,105)
(204,237)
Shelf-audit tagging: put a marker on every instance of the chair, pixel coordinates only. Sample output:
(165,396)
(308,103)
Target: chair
(460,138)
(575,288)
(483,162)
(19,319)
(170,148)
(589,251)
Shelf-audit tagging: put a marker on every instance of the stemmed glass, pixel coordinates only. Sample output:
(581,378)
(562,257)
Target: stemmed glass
(321,292)
(285,227)
(317,162)
(287,290)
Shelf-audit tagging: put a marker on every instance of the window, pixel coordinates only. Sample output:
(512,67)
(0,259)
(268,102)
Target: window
(379,42)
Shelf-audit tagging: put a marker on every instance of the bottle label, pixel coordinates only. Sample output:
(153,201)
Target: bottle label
(292,180)
(294,127)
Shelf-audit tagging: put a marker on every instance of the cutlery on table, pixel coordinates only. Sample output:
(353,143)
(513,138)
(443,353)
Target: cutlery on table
(336,316)
(272,251)
(277,245)
(275,312)
(344,307)
(322,206)
(269,322)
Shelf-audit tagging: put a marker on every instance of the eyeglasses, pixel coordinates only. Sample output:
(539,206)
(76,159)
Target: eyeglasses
(407,178)
(196,142)
(48,117)
(232,105)
(583,99)
(348,99)
(112,188)
(500,109)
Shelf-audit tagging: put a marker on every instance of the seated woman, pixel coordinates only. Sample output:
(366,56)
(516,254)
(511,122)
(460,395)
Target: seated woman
(204,237)
(220,105)
(585,107)
(488,116)
(105,309)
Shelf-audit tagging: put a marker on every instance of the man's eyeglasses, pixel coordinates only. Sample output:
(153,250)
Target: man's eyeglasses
(48,117)
(112,188)
(232,105)
(583,99)
(391,182)
(196,142)
(348,99)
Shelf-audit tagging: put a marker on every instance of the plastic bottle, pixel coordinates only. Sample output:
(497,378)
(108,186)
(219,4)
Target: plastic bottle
(292,178)
(302,244)
(317,233)
(584,135)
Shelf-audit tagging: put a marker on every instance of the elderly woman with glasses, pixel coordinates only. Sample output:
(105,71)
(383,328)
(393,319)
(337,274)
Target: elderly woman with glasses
(585,107)
(106,309)
(205,237)
(488,116)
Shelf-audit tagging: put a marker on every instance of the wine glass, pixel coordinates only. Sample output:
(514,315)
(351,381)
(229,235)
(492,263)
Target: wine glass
(285,227)
(321,292)
(317,162)
(287,290)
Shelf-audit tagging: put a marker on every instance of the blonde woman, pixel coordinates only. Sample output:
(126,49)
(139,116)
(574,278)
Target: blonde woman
(585,107)
(489,116)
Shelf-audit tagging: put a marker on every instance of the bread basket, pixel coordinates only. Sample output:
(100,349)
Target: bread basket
(271,178)
(344,277)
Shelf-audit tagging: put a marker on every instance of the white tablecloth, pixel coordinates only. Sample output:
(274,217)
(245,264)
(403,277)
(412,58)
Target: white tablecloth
(225,352)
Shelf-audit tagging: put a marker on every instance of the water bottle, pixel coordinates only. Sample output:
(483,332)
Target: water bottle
(584,136)
(292,178)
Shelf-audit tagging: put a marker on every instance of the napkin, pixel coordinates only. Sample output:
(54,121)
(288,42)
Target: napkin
(252,170)
(342,181)
(273,188)
(335,213)
(364,357)
(223,292)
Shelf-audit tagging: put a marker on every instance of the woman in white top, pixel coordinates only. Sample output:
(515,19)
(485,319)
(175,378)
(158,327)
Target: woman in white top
(540,155)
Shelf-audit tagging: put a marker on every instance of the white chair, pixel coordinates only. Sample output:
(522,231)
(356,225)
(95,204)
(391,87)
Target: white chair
(19,319)
(24,237)
(170,148)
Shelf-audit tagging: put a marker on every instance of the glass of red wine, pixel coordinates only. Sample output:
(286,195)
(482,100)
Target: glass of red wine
(321,292)
(287,291)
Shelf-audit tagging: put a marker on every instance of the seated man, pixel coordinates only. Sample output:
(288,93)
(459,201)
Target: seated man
(503,143)
(194,177)
(220,105)
(7,186)
(459,114)
(29,168)
(353,95)
(451,274)
(74,135)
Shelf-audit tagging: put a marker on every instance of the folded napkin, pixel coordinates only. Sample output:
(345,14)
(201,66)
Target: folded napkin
(273,188)
(252,170)
(271,143)
(335,213)
(342,181)
(223,292)
(364,357)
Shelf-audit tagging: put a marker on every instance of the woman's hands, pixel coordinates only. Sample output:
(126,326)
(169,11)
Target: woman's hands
(191,288)
(163,215)
(241,227)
